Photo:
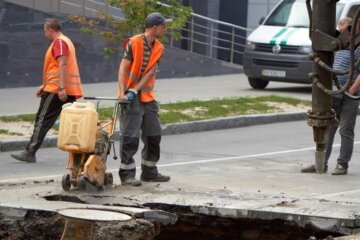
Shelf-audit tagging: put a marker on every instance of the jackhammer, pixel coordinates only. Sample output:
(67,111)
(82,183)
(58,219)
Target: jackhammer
(88,141)
(324,42)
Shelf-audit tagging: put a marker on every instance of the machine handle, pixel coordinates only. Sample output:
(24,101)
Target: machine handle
(100,98)
(107,98)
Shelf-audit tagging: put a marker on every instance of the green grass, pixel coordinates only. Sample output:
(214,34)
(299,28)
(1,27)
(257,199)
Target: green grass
(200,110)
(22,117)
(105,113)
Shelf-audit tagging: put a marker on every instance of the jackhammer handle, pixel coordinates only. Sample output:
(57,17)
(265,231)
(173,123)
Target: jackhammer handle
(348,95)
(106,98)
(100,98)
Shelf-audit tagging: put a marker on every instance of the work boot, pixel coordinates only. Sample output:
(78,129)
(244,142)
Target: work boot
(311,169)
(131,181)
(339,170)
(157,178)
(25,156)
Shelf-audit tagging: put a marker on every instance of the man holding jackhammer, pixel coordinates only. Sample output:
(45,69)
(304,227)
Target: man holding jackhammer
(345,108)
(136,82)
(61,84)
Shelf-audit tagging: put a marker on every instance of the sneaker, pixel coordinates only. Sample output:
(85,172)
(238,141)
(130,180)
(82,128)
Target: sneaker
(339,170)
(311,169)
(24,156)
(131,182)
(157,178)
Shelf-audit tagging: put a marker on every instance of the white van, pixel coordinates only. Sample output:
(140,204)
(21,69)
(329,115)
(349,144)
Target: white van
(278,49)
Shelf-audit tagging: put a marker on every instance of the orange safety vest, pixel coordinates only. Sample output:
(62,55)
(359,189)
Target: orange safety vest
(51,72)
(137,46)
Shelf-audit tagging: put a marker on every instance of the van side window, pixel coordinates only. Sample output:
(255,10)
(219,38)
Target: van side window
(353,10)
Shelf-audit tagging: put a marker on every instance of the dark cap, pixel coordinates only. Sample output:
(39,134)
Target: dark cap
(156,19)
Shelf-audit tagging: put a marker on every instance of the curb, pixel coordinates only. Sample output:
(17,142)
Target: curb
(182,128)
(231,122)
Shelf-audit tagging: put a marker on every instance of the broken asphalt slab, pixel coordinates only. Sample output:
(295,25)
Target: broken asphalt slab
(325,214)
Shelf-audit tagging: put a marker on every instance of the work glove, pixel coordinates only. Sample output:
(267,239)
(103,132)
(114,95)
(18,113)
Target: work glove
(130,94)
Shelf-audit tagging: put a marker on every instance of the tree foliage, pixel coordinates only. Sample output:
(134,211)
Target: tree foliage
(114,31)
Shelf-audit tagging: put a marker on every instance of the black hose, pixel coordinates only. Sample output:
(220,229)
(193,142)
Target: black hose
(309,10)
(344,88)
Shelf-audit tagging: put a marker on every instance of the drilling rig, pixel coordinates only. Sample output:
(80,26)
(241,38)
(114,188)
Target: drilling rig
(325,40)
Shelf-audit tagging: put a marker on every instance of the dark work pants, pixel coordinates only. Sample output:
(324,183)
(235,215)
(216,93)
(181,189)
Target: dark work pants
(346,111)
(49,110)
(140,119)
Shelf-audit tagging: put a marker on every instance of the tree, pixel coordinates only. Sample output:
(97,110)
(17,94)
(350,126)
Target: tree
(135,12)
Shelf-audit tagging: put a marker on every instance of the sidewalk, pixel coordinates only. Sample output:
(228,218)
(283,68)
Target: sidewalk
(23,100)
(167,90)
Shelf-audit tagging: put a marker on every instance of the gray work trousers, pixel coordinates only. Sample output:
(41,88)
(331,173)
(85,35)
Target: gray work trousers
(140,119)
(346,111)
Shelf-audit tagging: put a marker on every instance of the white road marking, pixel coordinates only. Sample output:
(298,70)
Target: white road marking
(43,178)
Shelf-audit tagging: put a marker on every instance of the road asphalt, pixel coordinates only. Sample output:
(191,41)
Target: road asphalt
(23,100)
(232,194)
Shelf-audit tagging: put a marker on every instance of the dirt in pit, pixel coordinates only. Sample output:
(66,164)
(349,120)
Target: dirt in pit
(203,227)
(245,229)
(35,225)
(41,225)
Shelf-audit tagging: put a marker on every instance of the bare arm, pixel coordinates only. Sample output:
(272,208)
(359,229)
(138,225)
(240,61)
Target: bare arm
(123,72)
(146,77)
(62,67)
(355,86)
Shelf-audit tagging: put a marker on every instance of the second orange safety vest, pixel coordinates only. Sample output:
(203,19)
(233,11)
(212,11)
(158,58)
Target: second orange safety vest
(137,48)
(51,72)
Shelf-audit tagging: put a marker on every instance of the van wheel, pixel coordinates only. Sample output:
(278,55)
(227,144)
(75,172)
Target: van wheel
(257,83)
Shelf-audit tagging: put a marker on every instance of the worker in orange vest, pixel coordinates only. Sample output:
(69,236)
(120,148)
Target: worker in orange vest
(61,84)
(136,82)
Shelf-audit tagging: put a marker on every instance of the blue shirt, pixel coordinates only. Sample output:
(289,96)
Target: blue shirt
(342,62)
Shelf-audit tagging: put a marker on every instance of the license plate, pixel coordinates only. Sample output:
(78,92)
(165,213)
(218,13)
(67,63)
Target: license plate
(273,73)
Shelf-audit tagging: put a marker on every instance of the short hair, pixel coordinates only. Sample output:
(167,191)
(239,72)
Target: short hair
(346,20)
(53,24)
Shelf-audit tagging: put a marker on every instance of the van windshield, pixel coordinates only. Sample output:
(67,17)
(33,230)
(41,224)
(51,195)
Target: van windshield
(292,13)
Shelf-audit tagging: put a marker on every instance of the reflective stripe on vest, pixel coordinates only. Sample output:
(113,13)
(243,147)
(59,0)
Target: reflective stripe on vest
(133,77)
(58,74)
(51,75)
(137,48)
(66,83)
(147,89)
